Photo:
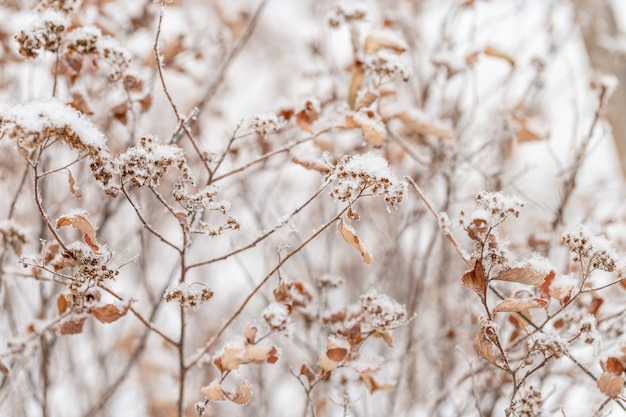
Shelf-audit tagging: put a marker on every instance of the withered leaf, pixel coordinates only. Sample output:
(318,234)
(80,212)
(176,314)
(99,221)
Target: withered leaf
(80,221)
(76,192)
(366,100)
(614,365)
(336,350)
(373,385)
(229,360)
(243,393)
(109,313)
(306,116)
(611,384)
(307,372)
(250,333)
(62,304)
(350,236)
(519,305)
(213,391)
(3,368)
(524,133)
(474,277)
(426,129)
(373,135)
(523,275)
(386,337)
(259,354)
(72,325)
(327,364)
(484,346)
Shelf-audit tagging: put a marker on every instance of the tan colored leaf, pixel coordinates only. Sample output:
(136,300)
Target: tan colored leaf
(258,354)
(213,391)
(311,165)
(72,325)
(544,289)
(496,53)
(474,277)
(80,221)
(519,305)
(229,360)
(242,394)
(109,313)
(483,344)
(145,103)
(62,304)
(373,385)
(366,100)
(355,85)
(375,43)
(386,337)
(336,349)
(426,129)
(79,103)
(120,112)
(250,333)
(611,384)
(373,135)
(307,372)
(523,133)
(327,364)
(523,275)
(350,236)
(76,192)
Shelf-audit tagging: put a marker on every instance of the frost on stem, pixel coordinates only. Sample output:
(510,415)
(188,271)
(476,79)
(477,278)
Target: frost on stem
(188,295)
(146,163)
(36,122)
(44,33)
(353,174)
(595,252)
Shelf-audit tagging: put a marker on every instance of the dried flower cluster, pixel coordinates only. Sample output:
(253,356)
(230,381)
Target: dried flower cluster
(188,295)
(594,252)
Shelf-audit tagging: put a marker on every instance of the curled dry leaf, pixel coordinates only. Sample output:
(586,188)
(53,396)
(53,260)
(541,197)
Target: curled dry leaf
(524,133)
(366,100)
(213,391)
(374,44)
(109,313)
(610,384)
(484,345)
(474,277)
(327,364)
(3,368)
(76,192)
(306,116)
(62,304)
(258,354)
(519,305)
(496,53)
(373,385)
(526,274)
(355,85)
(243,393)
(229,360)
(307,372)
(386,337)
(250,333)
(72,325)
(79,220)
(350,236)
(373,135)
(614,365)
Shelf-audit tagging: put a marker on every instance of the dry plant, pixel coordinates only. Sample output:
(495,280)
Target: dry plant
(317,208)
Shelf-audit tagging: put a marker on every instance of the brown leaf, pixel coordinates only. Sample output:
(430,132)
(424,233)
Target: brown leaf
(250,333)
(474,278)
(312,165)
(307,372)
(611,384)
(72,325)
(145,102)
(109,313)
(373,135)
(76,192)
(496,53)
(613,365)
(213,391)
(3,368)
(62,304)
(525,134)
(519,305)
(306,116)
(80,221)
(79,103)
(373,385)
(355,85)
(120,112)
(544,289)
(349,235)
(258,354)
(523,275)
(229,360)
(327,364)
(484,346)
(242,394)
(337,349)
(596,303)
(375,43)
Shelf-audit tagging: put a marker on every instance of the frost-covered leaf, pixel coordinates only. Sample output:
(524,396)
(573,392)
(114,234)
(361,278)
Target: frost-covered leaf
(373,134)
(611,384)
(62,304)
(258,354)
(525,274)
(350,236)
(308,115)
(72,325)
(366,100)
(76,192)
(213,391)
(337,349)
(79,219)
(228,360)
(355,86)
(109,313)
(614,365)
(519,305)
(307,372)
(386,336)
(327,364)
(484,344)
(525,133)
(243,393)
